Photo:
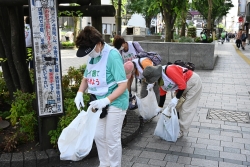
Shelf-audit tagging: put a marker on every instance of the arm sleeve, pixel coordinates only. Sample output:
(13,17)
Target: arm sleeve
(115,68)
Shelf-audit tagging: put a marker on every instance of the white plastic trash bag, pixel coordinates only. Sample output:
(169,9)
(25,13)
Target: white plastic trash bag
(168,125)
(76,140)
(148,105)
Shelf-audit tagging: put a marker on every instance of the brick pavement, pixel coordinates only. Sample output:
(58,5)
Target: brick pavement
(209,142)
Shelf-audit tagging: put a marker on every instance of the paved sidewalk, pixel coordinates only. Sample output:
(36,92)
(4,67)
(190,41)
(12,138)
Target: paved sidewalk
(209,142)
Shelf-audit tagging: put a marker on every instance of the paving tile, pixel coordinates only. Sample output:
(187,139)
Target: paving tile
(158,146)
(198,135)
(152,155)
(184,160)
(233,156)
(233,161)
(188,139)
(246,136)
(218,148)
(199,145)
(171,158)
(209,131)
(246,152)
(231,150)
(132,152)
(211,125)
(204,162)
(230,127)
(189,150)
(173,164)
(231,144)
(241,140)
(157,162)
(209,141)
(182,143)
(206,152)
(140,160)
(143,165)
(214,158)
(226,164)
(175,148)
(220,137)
(224,133)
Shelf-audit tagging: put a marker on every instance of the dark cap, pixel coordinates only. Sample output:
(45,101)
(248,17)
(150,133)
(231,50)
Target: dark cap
(84,50)
(152,73)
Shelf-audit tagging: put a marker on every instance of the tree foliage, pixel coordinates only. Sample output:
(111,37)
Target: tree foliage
(219,9)
(145,7)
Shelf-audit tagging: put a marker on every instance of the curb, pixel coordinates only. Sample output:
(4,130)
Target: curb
(52,156)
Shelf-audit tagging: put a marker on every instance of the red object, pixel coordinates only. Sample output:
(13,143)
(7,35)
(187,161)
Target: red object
(240,19)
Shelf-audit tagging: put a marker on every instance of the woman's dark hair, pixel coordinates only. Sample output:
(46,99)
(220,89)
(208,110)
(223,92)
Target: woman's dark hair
(118,41)
(27,20)
(89,36)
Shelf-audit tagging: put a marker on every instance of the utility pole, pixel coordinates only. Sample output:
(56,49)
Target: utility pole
(118,26)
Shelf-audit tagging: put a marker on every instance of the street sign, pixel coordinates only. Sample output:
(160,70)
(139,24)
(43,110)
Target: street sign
(47,57)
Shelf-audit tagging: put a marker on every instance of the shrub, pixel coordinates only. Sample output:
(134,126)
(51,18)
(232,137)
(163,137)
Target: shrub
(186,39)
(197,39)
(68,44)
(191,31)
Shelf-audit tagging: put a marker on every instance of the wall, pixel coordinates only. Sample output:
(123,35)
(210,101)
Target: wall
(201,54)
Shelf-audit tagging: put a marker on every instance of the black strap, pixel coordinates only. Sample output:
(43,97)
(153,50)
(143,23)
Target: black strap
(139,62)
(135,48)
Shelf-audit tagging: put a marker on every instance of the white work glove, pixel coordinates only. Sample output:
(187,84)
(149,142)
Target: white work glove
(79,100)
(150,86)
(173,102)
(100,104)
(159,109)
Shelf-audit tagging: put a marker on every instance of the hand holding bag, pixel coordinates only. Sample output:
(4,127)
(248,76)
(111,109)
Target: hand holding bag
(167,126)
(76,140)
(180,102)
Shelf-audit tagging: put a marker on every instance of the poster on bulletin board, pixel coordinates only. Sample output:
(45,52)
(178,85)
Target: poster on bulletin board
(46,52)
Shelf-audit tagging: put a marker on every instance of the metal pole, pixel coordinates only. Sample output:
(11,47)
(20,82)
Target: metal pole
(118,29)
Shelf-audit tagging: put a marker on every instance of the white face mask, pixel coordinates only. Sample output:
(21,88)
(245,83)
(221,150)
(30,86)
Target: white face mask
(93,53)
(121,48)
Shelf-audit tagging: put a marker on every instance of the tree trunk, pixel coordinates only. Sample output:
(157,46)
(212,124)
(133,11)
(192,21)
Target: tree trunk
(210,7)
(76,27)
(183,23)
(17,51)
(12,47)
(169,20)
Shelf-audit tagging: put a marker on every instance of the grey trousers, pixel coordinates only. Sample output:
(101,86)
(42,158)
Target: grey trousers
(188,109)
(144,92)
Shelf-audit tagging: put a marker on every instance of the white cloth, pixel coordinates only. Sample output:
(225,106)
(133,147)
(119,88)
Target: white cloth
(148,105)
(169,85)
(138,67)
(108,138)
(100,104)
(130,54)
(76,140)
(188,109)
(96,76)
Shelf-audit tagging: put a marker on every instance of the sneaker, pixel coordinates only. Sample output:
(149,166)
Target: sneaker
(180,134)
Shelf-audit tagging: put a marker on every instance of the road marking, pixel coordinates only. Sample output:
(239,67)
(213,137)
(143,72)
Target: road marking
(247,60)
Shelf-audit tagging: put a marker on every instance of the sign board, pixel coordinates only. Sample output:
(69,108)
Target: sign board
(46,54)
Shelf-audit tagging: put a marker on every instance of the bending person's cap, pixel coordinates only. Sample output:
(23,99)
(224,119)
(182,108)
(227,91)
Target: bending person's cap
(152,73)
